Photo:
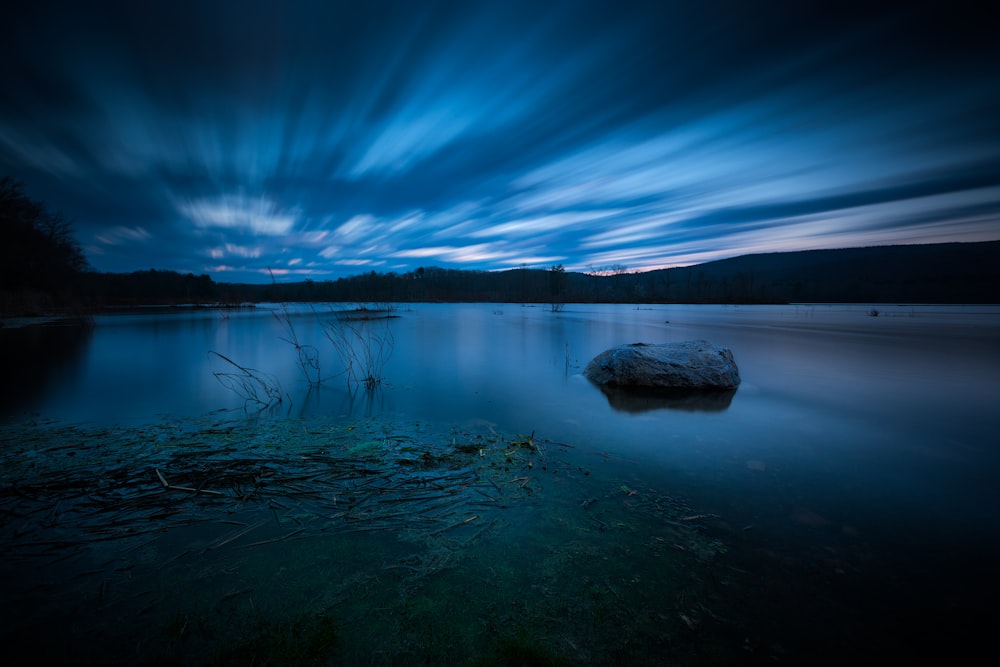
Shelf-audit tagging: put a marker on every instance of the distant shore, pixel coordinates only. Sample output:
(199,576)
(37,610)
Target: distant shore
(21,322)
(18,321)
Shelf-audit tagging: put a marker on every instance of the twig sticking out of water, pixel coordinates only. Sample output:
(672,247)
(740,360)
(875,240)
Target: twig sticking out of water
(253,386)
(308,355)
(529,442)
(364,346)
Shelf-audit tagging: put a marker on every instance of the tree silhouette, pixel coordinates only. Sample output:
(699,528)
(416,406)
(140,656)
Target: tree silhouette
(557,288)
(37,247)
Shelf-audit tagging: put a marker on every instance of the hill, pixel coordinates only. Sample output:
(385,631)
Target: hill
(932,273)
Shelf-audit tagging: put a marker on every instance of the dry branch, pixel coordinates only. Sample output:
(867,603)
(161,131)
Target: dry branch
(455,525)
(175,487)
(236,535)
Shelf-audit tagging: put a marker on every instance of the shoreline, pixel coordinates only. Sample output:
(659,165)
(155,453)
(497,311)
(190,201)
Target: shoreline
(23,322)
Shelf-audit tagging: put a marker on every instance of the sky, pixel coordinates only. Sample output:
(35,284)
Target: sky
(314,140)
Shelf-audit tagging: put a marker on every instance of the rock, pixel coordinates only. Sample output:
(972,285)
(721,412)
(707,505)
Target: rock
(694,365)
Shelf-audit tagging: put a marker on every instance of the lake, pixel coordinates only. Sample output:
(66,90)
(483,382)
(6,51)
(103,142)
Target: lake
(842,503)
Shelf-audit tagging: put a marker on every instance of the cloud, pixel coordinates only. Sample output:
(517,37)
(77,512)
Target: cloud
(234,250)
(534,225)
(480,252)
(119,235)
(356,228)
(259,216)
(489,135)
(28,148)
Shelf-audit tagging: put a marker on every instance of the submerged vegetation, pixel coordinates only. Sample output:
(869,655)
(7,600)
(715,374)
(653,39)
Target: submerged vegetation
(364,343)
(312,542)
(361,338)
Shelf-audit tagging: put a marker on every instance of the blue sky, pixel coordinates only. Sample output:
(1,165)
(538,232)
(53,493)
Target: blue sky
(321,140)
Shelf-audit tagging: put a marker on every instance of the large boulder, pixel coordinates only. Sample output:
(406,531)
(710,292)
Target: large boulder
(694,365)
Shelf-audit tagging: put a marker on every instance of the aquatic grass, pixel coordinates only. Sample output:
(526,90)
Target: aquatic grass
(364,342)
(364,536)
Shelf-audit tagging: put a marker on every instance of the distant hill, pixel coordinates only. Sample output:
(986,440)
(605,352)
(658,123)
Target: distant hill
(932,273)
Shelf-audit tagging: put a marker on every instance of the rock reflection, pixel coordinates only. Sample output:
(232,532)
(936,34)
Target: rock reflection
(645,400)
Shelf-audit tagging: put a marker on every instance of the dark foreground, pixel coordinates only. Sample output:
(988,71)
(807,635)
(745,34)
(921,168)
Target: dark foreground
(308,542)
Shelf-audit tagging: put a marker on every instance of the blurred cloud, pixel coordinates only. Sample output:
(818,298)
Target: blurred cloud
(236,212)
(319,140)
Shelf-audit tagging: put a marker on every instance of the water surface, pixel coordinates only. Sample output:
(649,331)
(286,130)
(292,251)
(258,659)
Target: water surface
(851,476)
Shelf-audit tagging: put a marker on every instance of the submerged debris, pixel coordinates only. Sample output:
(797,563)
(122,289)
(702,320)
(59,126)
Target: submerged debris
(136,524)
(360,477)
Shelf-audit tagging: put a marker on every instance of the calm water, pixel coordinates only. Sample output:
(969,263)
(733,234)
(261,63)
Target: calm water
(856,465)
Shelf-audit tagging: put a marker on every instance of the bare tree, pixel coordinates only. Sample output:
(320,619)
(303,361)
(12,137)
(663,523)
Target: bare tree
(39,250)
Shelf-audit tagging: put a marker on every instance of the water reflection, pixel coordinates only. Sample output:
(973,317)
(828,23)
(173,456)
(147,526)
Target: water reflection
(34,358)
(860,450)
(632,400)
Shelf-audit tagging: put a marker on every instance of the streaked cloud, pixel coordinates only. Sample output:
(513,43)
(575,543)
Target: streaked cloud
(256,215)
(325,139)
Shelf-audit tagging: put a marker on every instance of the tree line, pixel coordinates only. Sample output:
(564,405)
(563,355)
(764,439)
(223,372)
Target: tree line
(932,273)
(42,268)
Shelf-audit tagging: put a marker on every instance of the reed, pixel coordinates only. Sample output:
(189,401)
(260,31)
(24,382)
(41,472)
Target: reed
(308,355)
(364,342)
